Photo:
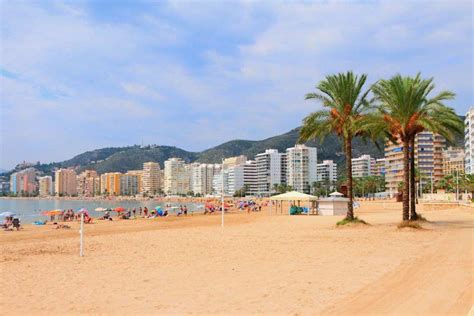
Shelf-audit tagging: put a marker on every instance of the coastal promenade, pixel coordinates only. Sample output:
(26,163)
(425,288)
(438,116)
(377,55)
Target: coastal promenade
(258,263)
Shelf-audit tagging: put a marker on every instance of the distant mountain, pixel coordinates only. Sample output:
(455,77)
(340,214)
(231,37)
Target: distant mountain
(121,159)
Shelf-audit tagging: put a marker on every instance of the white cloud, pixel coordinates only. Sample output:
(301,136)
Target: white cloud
(216,70)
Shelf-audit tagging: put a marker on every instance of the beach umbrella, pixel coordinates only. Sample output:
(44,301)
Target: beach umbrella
(157,208)
(83,210)
(100,209)
(7,214)
(52,212)
(119,209)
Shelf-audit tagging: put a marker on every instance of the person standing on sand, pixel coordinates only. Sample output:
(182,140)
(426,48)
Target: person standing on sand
(145,211)
(185,210)
(134,213)
(140,211)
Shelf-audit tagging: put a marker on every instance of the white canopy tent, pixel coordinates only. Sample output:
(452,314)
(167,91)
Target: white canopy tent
(294,196)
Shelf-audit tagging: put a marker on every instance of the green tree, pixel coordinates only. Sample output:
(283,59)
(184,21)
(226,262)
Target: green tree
(345,105)
(405,109)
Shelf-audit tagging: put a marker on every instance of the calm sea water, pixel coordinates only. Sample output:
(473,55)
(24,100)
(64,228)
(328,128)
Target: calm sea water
(29,209)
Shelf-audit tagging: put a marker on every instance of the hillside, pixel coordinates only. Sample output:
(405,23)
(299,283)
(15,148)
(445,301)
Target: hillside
(121,159)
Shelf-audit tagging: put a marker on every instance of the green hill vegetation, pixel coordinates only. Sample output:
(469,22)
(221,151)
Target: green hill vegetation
(121,159)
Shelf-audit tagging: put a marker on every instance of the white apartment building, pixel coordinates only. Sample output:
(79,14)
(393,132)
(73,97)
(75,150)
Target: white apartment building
(469,141)
(301,167)
(65,182)
(202,176)
(45,186)
(270,170)
(363,166)
(242,176)
(177,176)
(150,179)
(217,182)
(130,184)
(327,171)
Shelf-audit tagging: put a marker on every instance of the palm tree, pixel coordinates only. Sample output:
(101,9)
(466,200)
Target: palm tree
(406,110)
(345,105)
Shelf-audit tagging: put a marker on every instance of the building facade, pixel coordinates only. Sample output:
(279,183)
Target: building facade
(270,171)
(45,186)
(23,182)
(110,183)
(469,141)
(65,182)
(428,160)
(301,167)
(177,176)
(88,183)
(130,183)
(151,178)
(202,176)
(327,171)
(363,166)
(453,161)
(379,169)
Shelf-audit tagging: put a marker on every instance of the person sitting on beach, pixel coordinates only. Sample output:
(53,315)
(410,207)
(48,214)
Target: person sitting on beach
(181,211)
(16,223)
(7,223)
(107,216)
(165,213)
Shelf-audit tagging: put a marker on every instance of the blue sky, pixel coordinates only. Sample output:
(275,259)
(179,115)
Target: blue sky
(81,75)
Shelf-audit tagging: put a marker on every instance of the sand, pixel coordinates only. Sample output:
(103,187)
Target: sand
(256,264)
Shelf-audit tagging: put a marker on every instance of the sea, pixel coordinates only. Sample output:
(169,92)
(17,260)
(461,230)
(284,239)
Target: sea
(28,210)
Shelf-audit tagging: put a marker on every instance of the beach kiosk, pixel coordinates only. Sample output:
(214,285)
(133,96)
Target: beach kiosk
(335,204)
(296,198)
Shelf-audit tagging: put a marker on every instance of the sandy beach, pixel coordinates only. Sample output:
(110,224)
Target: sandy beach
(257,264)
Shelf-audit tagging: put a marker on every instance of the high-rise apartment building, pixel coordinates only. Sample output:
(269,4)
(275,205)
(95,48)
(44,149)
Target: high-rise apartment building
(177,176)
(110,183)
(45,186)
(327,171)
(453,161)
(270,170)
(88,183)
(202,177)
(23,182)
(234,161)
(428,160)
(151,178)
(363,166)
(301,167)
(379,169)
(130,183)
(240,176)
(65,182)
(469,141)
(429,156)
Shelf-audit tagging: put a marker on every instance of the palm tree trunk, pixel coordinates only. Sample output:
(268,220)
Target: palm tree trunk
(406,181)
(348,150)
(413,215)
